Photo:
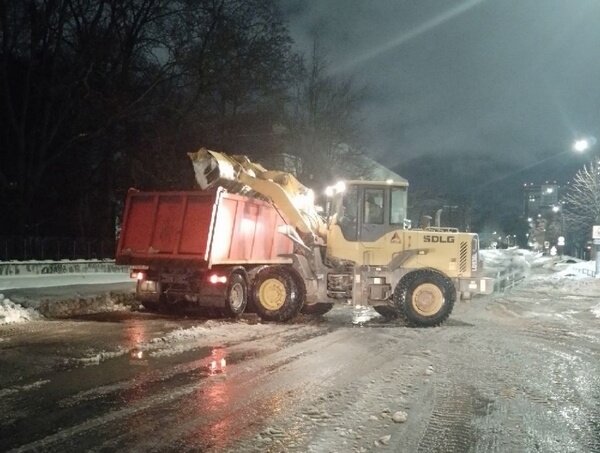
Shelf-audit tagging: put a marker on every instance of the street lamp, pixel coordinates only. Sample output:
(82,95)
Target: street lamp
(581,145)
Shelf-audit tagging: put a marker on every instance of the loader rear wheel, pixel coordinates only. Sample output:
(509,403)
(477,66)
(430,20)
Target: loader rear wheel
(236,296)
(277,294)
(317,309)
(386,311)
(425,298)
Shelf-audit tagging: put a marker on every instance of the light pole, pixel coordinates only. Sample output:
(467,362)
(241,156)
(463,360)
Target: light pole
(582,145)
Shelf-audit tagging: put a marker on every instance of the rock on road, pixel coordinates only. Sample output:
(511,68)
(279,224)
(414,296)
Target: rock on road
(511,372)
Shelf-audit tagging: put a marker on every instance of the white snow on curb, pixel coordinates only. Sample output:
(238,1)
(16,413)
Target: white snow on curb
(596,311)
(11,313)
(22,388)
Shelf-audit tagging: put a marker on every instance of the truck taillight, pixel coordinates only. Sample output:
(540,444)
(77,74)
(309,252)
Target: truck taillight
(214,279)
(139,276)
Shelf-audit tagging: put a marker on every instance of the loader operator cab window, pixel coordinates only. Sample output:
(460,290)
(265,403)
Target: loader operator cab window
(348,214)
(373,207)
(398,206)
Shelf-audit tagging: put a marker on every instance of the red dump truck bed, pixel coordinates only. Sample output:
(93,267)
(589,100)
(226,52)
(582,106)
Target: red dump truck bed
(204,227)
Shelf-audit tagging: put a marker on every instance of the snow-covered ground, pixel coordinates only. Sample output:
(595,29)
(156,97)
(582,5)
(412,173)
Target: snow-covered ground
(514,371)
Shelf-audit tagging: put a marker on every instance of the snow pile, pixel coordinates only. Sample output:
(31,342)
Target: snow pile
(525,261)
(77,306)
(64,302)
(12,313)
(573,268)
(596,311)
(516,262)
(182,340)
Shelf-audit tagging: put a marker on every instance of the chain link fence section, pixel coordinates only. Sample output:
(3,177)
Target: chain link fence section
(38,248)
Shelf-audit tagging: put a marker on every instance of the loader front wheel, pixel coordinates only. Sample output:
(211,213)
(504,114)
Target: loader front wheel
(277,294)
(425,298)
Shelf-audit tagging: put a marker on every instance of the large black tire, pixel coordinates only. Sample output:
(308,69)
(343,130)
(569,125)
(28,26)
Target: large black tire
(277,294)
(317,309)
(236,296)
(425,298)
(386,311)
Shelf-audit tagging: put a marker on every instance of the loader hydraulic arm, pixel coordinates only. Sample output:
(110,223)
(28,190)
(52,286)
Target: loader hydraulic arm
(239,175)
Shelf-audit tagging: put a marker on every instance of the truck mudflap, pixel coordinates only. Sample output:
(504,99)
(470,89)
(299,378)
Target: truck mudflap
(476,285)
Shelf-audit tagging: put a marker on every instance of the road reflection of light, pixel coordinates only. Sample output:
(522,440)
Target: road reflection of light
(218,363)
(215,399)
(134,336)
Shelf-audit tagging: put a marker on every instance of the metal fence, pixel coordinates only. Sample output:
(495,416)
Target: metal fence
(588,272)
(508,279)
(37,248)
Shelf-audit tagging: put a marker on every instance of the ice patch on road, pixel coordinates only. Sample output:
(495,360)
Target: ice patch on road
(11,312)
(100,357)
(22,388)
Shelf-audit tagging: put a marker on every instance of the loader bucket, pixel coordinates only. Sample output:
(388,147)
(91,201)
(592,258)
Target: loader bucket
(211,168)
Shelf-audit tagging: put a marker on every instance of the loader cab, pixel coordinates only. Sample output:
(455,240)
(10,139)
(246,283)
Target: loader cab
(366,210)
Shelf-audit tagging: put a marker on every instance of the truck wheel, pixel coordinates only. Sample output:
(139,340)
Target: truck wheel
(317,309)
(277,295)
(425,298)
(386,311)
(236,296)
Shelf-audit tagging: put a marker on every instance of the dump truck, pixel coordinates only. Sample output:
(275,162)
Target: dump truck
(253,238)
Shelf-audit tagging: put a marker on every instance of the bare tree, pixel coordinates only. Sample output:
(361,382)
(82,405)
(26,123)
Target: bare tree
(582,202)
(324,128)
(70,73)
(232,64)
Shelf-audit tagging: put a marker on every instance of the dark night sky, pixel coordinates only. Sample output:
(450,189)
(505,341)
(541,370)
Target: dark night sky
(516,81)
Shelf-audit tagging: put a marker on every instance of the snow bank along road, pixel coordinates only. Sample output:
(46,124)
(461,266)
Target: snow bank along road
(517,371)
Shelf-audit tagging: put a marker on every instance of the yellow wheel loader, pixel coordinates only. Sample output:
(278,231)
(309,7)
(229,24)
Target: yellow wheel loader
(362,253)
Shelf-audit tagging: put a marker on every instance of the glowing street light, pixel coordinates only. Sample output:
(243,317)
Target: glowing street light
(581,145)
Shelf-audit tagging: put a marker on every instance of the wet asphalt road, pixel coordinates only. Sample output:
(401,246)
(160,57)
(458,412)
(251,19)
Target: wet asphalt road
(512,372)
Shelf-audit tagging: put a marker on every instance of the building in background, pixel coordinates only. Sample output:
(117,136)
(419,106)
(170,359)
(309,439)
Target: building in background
(543,210)
(540,198)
